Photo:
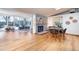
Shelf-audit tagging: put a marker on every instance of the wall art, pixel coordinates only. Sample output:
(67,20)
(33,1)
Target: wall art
(75,21)
(67,22)
(70,17)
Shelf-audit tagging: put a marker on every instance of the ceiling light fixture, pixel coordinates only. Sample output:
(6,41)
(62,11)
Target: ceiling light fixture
(57,8)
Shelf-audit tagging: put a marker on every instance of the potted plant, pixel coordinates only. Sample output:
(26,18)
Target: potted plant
(58,24)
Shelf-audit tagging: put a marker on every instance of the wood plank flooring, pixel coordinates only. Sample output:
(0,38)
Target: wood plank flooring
(25,41)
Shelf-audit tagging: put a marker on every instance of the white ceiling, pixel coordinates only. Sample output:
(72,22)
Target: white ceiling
(42,11)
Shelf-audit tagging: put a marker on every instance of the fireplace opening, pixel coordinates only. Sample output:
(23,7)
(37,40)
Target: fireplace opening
(40,28)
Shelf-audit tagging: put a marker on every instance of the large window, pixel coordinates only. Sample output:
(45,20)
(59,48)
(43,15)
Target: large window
(14,21)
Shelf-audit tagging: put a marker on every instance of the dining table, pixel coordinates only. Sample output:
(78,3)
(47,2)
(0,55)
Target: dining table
(56,28)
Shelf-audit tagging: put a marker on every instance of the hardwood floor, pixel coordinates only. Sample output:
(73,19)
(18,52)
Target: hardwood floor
(25,41)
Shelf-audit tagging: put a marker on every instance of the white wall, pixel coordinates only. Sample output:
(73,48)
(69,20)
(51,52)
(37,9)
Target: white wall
(50,21)
(72,28)
(41,22)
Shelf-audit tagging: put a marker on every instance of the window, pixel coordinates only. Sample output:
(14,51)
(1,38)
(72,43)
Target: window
(14,21)
(10,21)
(2,21)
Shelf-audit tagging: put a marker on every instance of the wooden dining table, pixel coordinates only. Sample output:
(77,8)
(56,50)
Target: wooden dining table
(56,28)
(57,32)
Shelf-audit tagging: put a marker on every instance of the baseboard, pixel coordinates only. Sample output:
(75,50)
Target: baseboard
(71,34)
(42,32)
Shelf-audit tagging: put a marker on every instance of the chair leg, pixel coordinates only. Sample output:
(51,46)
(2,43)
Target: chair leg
(64,36)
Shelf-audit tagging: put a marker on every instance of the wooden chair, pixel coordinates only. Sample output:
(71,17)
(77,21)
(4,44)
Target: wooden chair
(63,31)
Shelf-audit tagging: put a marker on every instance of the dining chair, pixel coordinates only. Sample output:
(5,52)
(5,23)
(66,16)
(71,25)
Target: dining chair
(62,32)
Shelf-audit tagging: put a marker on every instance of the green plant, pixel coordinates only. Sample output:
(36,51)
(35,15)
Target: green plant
(58,24)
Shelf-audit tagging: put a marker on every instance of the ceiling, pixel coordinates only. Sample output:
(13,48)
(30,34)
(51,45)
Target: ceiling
(41,11)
